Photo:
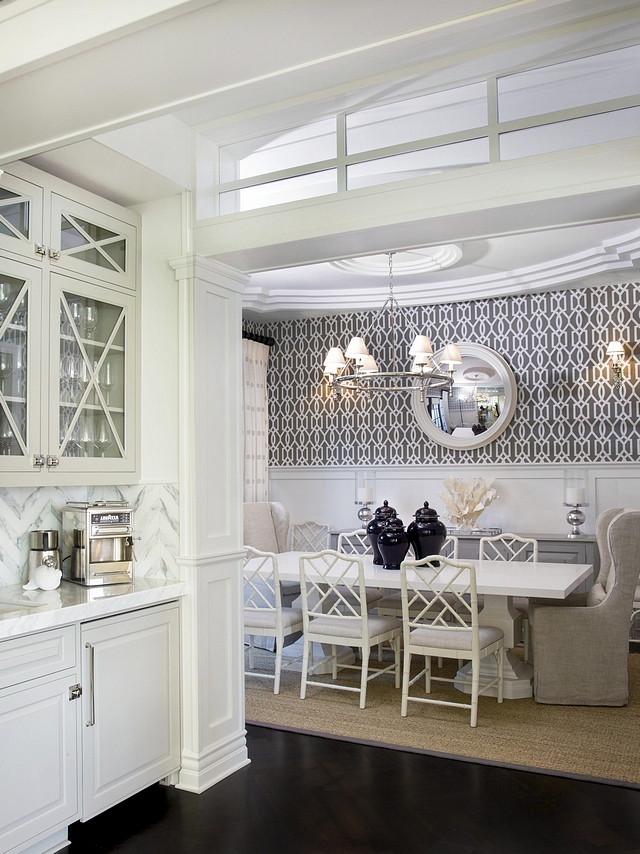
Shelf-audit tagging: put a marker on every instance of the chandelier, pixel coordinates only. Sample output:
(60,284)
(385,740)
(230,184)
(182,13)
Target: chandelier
(356,369)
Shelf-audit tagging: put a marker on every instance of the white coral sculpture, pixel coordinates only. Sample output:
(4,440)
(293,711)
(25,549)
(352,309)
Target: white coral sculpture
(465,501)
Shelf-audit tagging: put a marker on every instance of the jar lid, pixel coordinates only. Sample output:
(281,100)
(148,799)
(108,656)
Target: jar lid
(394,524)
(425,513)
(385,512)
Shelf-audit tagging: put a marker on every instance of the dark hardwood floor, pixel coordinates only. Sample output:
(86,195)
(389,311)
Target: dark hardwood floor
(307,795)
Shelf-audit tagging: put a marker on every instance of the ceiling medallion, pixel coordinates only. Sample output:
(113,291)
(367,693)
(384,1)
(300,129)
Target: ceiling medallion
(405,263)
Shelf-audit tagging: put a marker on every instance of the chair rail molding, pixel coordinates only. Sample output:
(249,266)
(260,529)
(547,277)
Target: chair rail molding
(210,352)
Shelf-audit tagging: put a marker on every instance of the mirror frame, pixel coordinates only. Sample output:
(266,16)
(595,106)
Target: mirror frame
(478,351)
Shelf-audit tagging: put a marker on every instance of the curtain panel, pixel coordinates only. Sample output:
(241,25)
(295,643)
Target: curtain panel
(255,358)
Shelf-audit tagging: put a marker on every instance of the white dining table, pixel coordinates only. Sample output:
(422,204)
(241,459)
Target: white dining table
(498,582)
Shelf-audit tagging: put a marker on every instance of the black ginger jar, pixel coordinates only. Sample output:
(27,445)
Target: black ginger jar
(393,544)
(375,527)
(427,534)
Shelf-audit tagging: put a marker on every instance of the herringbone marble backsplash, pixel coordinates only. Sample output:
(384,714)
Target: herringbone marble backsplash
(156,520)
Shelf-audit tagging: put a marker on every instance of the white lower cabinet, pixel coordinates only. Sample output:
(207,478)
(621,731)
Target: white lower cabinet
(131,704)
(75,740)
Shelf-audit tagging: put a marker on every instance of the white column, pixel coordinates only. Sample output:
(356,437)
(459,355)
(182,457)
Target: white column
(210,559)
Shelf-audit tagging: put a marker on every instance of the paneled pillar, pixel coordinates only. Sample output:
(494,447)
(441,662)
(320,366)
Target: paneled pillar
(210,559)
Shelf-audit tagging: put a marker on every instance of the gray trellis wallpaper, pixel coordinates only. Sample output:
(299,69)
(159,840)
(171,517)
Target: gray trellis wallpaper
(554,342)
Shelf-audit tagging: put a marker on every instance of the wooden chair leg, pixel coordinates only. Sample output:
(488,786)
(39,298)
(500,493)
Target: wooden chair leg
(250,652)
(427,674)
(363,676)
(334,661)
(396,651)
(405,682)
(276,682)
(500,674)
(475,690)
(305,663)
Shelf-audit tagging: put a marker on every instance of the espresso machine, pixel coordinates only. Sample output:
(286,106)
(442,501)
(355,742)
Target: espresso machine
(97,543)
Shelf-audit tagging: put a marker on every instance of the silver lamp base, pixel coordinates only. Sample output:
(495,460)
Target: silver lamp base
(575,517)
(365,514)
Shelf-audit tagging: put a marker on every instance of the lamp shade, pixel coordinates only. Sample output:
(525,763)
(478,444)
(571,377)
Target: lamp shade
(356,347)
(615,348)
(421,365)
(369,365)
(421,344)
(335,356)
(451,355)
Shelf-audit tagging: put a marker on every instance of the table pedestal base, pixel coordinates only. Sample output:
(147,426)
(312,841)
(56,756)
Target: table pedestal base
(517,677)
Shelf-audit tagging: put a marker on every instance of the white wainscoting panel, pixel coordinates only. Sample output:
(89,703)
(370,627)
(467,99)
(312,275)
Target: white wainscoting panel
(530,497)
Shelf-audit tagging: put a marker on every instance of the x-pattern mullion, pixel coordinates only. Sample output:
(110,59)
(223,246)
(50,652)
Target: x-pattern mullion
(94,244)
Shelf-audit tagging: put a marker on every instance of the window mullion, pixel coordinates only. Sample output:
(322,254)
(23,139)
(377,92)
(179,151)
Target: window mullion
(341,150)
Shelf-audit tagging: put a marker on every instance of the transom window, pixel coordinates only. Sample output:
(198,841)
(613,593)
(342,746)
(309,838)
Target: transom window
(579,102)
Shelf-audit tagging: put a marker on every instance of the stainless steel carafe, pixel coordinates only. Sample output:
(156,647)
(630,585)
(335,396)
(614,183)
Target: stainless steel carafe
(43,549)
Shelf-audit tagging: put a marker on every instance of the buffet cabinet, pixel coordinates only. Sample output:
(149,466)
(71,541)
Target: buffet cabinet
(89,715)
(69,375)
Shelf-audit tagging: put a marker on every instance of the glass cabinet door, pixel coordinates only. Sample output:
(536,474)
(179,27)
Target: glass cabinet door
(95,391)
(20,216)
(19,357)
(92,243)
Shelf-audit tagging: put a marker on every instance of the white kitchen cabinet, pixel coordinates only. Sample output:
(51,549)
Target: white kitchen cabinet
(69,340)
(131,712)
(39,729)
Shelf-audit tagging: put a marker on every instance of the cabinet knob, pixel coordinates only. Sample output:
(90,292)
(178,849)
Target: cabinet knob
(54,254)
(38,461)
(52,461)
(75,692)
(41,249)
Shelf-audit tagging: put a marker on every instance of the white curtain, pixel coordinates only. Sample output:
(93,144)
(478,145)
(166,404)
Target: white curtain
(256,419)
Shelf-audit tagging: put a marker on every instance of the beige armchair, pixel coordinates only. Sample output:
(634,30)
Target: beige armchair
(580,650)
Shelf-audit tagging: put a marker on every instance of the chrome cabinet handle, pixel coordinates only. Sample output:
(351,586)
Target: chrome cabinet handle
(92,673)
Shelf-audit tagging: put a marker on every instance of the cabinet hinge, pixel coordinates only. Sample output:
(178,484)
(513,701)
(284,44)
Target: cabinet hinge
(75,692)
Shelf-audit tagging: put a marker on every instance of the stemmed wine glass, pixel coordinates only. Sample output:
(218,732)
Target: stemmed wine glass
(5,299)
(6,369)
(90,320)
(6,439)
(103,440)
(76,309)
(106,381)
(70,377)
(86,434)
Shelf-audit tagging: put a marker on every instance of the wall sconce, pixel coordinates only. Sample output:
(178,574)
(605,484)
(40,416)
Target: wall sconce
(615,350)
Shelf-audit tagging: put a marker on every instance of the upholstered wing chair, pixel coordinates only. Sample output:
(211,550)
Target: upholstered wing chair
(580,653)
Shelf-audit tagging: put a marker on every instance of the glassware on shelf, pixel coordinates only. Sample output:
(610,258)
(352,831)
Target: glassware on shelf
(104,440)
(84,375)
(18,372)
(76,309)
(106,380)
(5,300)
(86,434)
(90,320)
(21,313)
(6,369)
(70,377)
(6,440)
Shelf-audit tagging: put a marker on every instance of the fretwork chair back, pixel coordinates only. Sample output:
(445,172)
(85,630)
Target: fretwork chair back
(357,543)
(334,612)
(440,618)
(511,547)
(264,615)
(391,605)
(309,537)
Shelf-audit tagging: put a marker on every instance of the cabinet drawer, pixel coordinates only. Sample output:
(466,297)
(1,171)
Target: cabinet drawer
(41,654)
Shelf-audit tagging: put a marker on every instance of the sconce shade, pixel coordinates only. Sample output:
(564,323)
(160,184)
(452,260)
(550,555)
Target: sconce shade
(421,345)
(356,347)
(615,348)
(335,357)
(451,355)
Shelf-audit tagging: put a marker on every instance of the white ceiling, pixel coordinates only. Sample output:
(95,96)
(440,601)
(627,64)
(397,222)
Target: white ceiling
(113,104)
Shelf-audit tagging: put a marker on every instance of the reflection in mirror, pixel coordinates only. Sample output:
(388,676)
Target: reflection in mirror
(479,406)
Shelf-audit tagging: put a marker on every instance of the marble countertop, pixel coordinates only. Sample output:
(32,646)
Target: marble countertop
(23,611)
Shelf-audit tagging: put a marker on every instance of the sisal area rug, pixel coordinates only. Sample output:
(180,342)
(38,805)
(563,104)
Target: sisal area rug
(594,742)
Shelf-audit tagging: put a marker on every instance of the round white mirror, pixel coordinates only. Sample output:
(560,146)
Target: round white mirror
(478,408)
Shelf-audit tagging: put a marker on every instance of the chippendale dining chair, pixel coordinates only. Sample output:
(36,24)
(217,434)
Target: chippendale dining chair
(433,626)
(511,547)
(331,617)
(264,615)
(357,543)
(309,537)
